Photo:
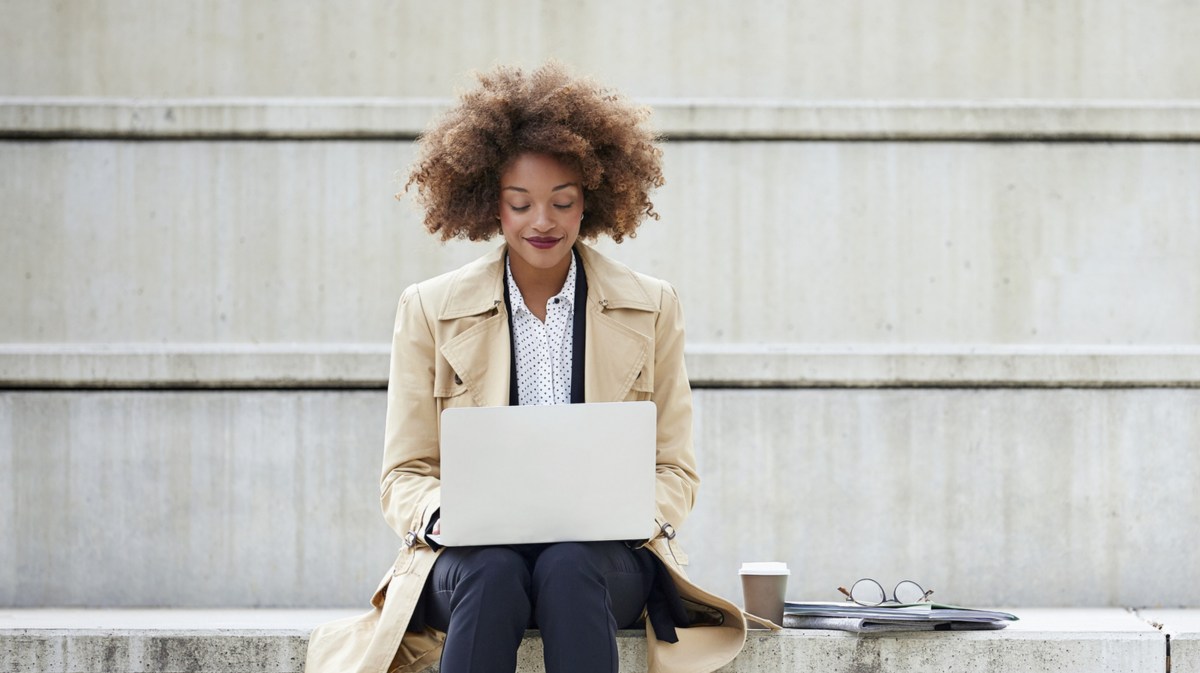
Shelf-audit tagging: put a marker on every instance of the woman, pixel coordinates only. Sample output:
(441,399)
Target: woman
(545,160)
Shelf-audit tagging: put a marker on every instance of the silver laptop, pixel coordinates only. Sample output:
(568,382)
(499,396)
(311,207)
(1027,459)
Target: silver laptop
(558,473)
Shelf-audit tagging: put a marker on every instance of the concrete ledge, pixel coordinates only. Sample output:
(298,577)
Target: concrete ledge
(274,641)
(678,119)
(984,366)
(309,366)
(157,641)
(1182,628)
(193,366)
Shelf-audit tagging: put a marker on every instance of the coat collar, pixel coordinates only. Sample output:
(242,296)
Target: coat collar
(614,352)
(479,286)
(611,284)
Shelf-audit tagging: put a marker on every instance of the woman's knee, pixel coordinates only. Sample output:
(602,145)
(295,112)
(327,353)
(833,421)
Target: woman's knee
(571,579)
(491,584)
(495,567)
(486,585)
(574,561)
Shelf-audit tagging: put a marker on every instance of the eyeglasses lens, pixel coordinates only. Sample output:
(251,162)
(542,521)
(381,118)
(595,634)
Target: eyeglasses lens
(909,591)
(867,592)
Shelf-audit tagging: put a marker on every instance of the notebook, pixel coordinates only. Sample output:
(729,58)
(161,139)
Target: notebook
(557,473)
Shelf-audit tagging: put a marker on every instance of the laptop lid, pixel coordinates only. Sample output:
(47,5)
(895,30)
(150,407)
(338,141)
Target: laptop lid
(557,473)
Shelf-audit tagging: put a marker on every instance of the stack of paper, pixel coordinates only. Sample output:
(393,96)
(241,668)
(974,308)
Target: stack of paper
(889,618)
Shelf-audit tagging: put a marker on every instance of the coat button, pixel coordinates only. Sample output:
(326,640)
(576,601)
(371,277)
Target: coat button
(457,380)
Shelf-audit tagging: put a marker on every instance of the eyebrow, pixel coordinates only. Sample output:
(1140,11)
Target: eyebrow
(526,191)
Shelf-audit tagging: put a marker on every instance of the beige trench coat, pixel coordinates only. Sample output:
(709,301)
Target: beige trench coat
(451,339)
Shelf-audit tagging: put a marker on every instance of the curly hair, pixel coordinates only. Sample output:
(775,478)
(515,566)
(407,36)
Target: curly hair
(461,157)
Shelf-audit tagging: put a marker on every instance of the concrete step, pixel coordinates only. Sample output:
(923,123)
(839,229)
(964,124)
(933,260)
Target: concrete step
(1182,628)
(204,498)
(830,241)
(803,49)
(271,641)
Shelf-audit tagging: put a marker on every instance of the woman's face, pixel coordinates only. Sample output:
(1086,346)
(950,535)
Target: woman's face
(541,204)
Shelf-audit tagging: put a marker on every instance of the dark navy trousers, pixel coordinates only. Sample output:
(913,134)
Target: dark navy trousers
(576,593)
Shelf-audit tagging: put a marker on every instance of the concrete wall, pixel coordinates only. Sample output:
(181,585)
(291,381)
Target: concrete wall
(790,242)
(258,498)
(1001,497)
(203,499)
(939,333)
(807,49)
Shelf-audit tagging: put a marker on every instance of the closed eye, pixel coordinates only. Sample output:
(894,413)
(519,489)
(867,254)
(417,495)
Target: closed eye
(564,206)
(519,209)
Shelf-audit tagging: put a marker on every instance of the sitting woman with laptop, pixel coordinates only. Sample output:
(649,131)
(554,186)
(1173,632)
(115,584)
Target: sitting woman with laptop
(546,161)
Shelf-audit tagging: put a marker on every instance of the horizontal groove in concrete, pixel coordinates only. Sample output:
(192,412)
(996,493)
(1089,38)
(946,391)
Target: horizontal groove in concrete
(676,118)
(308,366)
(1051,366)
(46,641)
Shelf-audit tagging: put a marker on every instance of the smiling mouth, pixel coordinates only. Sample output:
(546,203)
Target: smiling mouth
(543,242)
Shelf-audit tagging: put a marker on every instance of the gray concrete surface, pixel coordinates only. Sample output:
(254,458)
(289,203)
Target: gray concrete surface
(191,499)
(157,641)
(1062,497)
(833,243)
(1182,627)
(181,620)
(807,50)
(1011,497)
(696,118)
(274,641)
(309,366)
(1044,640)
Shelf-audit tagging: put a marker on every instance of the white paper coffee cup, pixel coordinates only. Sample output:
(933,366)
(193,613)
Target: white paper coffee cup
(764,584)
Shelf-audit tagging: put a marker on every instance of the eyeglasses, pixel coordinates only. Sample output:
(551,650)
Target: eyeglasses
(870,593)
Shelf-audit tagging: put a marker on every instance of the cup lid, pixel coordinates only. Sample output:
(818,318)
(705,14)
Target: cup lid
(764,568)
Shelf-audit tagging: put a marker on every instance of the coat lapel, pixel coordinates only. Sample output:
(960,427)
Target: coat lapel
(615,353)
(613,357)
(480,354)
